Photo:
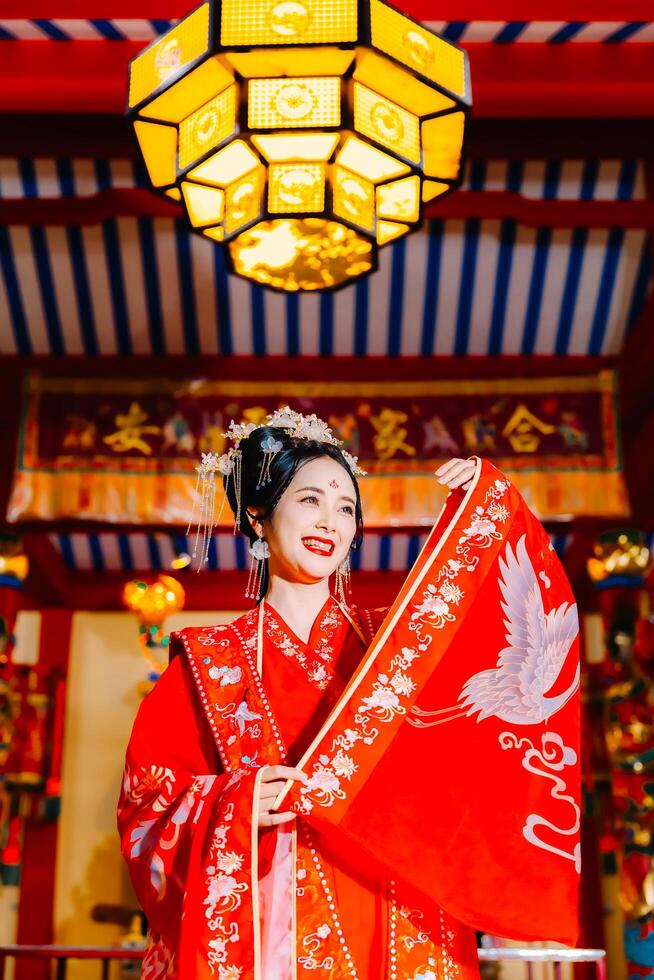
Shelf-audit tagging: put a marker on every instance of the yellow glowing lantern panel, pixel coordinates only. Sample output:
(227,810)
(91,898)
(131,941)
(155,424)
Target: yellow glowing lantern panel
(370,163)
(354,198)
(442,139)
(388,230)
(399,200)
(286,103)
(187,41)
(189,93)
(398,85)
(417,48)
(244,201)
(296,187)
(216,234)
(301,253)
(432,189)
(259,22)
(303,134)
(207,127)
(386,122)
(204,205)
(159,147)
(227,165)
(301,146)
(280,62)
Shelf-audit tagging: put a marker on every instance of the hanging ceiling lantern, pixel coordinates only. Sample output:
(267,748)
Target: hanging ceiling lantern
(302,134)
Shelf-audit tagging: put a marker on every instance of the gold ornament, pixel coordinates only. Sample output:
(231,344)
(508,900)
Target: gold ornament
(303,135)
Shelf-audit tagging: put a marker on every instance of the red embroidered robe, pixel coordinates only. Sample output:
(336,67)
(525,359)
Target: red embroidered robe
(484,632)
(185,817)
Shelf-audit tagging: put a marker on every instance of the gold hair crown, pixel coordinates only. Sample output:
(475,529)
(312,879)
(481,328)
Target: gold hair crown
(229,465)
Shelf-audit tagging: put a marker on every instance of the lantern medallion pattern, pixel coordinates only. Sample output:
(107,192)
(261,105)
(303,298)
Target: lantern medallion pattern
(302,134)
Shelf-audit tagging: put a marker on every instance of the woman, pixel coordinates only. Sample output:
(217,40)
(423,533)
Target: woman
(231,886)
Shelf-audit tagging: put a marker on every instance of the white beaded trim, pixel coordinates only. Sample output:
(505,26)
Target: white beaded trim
(205,702)
(262,694)
(331,904)
(392,931)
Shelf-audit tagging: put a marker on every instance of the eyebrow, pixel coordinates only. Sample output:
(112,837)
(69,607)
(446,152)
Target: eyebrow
(318,490)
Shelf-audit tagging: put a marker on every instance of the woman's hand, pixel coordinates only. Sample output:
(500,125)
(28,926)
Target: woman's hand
(272,783)
(456,473)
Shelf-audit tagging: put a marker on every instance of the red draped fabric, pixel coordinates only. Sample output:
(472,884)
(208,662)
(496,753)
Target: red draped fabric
(467,705)
(368,885)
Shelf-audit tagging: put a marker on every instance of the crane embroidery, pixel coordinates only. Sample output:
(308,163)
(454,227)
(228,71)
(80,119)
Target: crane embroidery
(538,644)
(515,691)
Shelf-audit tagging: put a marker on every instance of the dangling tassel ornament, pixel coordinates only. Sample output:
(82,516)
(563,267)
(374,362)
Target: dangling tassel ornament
(259,552)
(270,448)
(204,498)
(342,586)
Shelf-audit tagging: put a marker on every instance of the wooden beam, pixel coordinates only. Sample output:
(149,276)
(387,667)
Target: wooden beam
(489,205)
(101,591)
(109,136)
(448,10)
(49,581)
(639,473)
(526,80)
(636,362)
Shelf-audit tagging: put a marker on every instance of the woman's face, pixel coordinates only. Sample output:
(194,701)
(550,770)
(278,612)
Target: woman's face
(312,527)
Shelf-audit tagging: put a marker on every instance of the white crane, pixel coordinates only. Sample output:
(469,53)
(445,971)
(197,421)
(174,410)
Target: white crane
(538,644)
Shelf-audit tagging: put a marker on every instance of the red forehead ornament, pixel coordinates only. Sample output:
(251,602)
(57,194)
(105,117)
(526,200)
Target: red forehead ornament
(334,484)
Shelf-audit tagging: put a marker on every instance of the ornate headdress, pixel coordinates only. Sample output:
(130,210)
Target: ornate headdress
(229,465)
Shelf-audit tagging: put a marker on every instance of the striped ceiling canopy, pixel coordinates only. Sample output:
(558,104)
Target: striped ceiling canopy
(538,254)
(544,251)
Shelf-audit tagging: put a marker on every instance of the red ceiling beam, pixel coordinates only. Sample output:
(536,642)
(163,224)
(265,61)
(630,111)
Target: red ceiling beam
(529,80)
(110,137)
(101,591)
(448,10)
(49,580)
(134,202)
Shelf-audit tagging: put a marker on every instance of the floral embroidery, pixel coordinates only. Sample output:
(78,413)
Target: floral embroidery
(316,663)
(159,959)
(321,942)
(225,891)
(148,838)
(393,689)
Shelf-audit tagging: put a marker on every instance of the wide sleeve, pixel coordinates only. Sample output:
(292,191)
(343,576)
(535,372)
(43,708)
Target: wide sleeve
(452,756)
(186,834)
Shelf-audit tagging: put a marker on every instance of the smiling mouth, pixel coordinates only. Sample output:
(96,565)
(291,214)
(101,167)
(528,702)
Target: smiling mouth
(319,546)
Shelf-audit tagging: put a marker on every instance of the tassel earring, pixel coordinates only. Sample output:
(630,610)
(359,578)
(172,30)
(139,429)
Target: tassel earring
(342,585)
(259,552)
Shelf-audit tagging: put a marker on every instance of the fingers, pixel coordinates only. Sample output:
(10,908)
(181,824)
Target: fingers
(273,819)
(455,473)
(272,773)
(459,479)
(443,469)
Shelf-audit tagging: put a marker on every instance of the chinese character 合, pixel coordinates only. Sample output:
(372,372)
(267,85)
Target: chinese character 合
(130,431)
(522,430)
(390,437)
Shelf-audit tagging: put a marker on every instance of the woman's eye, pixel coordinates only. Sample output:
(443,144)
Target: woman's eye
(348,509)
(311,499)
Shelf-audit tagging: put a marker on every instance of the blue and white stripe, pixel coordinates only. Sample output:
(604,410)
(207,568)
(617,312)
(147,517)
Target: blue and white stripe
(544,31)
(141,552)
(149,286)
(464,32)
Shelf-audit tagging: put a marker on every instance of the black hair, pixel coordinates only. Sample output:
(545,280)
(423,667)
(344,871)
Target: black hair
(264,497)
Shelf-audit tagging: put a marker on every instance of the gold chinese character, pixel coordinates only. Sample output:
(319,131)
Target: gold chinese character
(520,430)
(80,434)
(390,437)
(256,414)
(130,430)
